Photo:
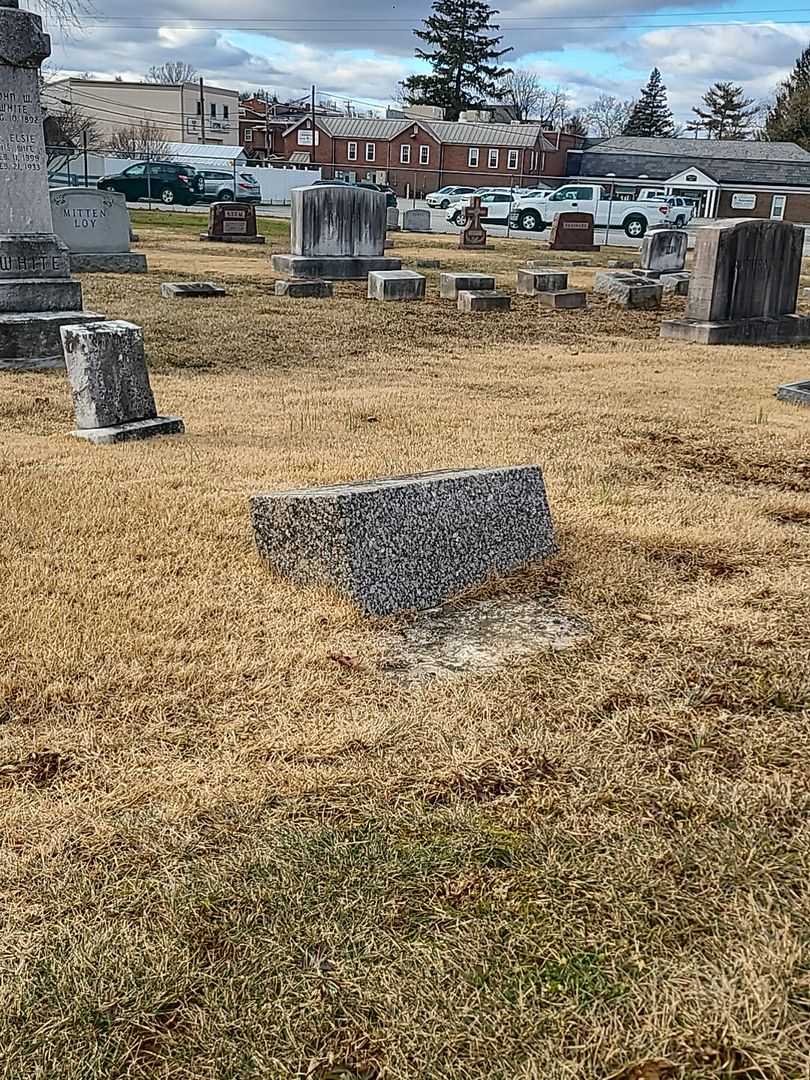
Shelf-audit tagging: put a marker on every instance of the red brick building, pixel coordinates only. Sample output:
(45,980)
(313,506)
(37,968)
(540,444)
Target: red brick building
(417,156)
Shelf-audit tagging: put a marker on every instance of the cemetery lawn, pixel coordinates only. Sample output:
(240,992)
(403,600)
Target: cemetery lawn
(235,847)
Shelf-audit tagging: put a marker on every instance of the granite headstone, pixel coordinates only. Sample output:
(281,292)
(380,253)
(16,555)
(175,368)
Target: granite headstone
(572,231)
(664,250)
(95,226)
(232,223)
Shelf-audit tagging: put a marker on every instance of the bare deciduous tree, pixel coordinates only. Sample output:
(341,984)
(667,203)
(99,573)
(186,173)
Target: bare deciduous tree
(65,13)
(75,125)
(531,100)
(172,71)
(140,140)
(608,115)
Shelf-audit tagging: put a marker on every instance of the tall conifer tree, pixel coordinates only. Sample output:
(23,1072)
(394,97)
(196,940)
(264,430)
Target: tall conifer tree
(651,115)
(788,119)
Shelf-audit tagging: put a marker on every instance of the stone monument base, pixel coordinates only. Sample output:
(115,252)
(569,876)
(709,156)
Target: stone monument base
(30,341)
(108,262)
(39,294)
(332,267)
(232,239)
(785,328)
(797,393)
(133,429)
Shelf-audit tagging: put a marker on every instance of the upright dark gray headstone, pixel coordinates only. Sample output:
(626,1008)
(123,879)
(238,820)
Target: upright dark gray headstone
(109,381)
(95,226)
(744,285)
(36,293)
(664,250)
(337,231)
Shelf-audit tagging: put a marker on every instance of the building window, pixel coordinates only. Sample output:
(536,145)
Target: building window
(371,151)
(213,110)
(248,134)
(472,157)
(512,162)
(351,151)
(405,154)
(424,155)
(226,112)
(493,159)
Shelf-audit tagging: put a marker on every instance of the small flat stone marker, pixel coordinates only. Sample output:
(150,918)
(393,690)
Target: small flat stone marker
(675,284)
(299,289)
(186,290)
(532,281)
(450,285)
(562,299)
(483,300)
(396,285)
(634,293)
(428,264)
(797,393)
(406,542)
(109,381)
(620,264)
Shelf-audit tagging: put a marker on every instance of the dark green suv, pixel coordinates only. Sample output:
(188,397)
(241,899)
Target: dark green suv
(164,181)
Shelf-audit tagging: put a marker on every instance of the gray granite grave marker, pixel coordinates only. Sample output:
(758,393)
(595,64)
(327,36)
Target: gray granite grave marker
(450,285)
(797,393)
(562,299)
(95,227)
(416,221)
(112,397)
(483,300)
(664,250)
(396,285)
(533,280)
(187,290)
(406,542)
(314,289)
(37,295)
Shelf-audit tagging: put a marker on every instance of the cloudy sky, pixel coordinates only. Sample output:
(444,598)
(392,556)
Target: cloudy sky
(360,50)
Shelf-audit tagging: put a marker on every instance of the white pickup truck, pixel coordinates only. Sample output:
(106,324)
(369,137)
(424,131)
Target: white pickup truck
(537,213)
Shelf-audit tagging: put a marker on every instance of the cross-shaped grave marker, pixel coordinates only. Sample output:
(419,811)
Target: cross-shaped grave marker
(473,233)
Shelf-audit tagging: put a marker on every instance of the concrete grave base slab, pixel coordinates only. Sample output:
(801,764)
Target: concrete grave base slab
(305,289)
(30,341)
(641,295)
(428,264)
(396,285)
(779,331)
(405,543)
(479,637)
(332,267)
(450,285)
(116,262)
(231,239)
(563,299)
(797,393)
(47,294)
(133,429)
(187,290)
(483,300)
(534,280)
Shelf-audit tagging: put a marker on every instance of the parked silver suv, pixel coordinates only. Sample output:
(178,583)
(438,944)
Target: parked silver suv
(222,186)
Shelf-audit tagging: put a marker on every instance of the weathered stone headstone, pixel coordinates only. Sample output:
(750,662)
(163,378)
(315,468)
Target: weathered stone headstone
(664,250)
(484,300)
(416,221)
(450,285)
(744,285)
(316,289)
(37,295)
(396,285)
(112,397)
(392,219)
(232,223)
(95,226)
(634,293)
(572,231)
(473,234)
(797,393)
(406,542)
(336,232)
(562,299)
(187,290)
(532,281)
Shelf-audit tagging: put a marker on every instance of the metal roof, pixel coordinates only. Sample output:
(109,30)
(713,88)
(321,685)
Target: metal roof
(659,167)
(444,131)
(203,153)
(685,149)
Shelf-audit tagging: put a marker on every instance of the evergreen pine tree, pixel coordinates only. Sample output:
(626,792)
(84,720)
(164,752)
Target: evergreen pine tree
(727,113)
(464,57)
(788,119)
(651,115)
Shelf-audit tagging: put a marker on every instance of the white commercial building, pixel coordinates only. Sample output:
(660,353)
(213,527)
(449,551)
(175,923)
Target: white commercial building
(183,113)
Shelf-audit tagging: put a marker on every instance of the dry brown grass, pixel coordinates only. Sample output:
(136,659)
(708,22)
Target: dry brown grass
(225,855)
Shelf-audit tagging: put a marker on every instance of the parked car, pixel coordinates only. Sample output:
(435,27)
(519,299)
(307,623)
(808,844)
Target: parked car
(390,194)
(498,202)
(166,181)
(635,217)
(442,199)
(222,186)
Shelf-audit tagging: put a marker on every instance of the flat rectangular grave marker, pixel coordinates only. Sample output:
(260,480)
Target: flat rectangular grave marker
(314,289)
(407,542)
(533,280)
(450,285)
(184,290)
(396,285)
(797,393)
(562,299)
(484,300)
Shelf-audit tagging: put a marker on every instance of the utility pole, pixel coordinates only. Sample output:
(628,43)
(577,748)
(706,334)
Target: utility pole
(312,114)
(202,112)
